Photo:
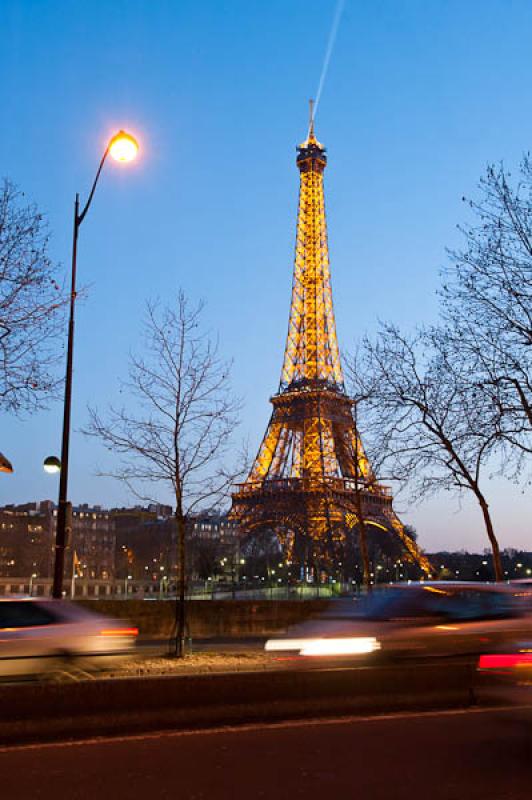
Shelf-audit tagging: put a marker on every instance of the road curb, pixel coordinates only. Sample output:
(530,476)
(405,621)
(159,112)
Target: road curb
(50,712)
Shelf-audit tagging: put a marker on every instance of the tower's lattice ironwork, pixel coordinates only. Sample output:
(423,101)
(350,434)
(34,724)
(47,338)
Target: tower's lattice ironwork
(311,469)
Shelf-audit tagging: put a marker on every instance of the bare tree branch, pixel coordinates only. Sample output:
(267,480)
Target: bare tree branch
(31,303)
(487,306)
(422,425)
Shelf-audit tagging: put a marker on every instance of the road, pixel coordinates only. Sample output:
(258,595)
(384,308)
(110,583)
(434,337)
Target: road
(479,754)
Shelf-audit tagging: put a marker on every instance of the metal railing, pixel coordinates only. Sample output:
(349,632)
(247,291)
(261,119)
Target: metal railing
(275,485)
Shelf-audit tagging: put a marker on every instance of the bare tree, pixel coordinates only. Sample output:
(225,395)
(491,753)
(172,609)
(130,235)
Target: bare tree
(179,433)
(487,305)
(422,419)
(30,305)
(359,485)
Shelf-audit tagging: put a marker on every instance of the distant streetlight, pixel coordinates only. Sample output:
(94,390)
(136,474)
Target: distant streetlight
(123,148)
(51,465)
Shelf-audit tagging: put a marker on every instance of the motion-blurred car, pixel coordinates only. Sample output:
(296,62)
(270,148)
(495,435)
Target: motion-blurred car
(505,674)
(413,620)
(39,636)
(523,591)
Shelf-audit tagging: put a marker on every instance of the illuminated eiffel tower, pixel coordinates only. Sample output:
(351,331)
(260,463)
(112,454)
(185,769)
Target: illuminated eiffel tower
(311,479)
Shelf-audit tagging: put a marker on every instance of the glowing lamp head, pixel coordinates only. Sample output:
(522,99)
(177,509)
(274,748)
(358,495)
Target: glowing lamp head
(123,147)
(52,464)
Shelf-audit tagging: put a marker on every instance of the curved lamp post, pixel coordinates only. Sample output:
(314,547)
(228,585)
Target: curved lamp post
(122,147)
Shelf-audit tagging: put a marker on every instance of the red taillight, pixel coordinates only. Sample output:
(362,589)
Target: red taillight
(120,632)
(505,661)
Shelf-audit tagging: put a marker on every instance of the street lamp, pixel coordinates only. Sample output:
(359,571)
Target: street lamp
(51,465)
(122,147)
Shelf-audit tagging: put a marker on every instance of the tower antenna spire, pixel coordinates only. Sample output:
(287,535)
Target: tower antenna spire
(311,119)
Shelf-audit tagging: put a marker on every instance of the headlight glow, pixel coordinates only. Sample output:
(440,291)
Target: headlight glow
(340,647)
(354,645)
(286,644)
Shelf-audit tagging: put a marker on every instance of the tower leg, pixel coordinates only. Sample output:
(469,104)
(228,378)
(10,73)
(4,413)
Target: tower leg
(409,544)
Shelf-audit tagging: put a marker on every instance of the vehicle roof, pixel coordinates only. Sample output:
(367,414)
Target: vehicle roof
(64,608)
(18,597)
(484,586)
(32,599)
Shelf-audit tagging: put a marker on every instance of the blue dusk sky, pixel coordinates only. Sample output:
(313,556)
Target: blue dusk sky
(420,96)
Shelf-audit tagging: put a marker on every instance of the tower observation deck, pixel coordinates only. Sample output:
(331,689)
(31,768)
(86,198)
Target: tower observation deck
(311,481)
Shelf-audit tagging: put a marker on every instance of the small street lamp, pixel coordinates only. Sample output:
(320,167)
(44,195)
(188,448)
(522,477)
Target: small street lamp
(51,465)
(123,148)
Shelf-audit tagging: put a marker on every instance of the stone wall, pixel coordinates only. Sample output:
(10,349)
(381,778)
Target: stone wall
(155,618)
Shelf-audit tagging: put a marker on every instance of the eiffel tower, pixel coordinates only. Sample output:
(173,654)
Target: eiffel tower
(311,479)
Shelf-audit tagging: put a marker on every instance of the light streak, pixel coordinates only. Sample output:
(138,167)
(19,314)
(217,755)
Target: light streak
(348,645)
(328,53)
(340,647)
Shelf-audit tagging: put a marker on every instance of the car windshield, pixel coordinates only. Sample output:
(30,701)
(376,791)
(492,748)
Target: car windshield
(400,603)
(23,614)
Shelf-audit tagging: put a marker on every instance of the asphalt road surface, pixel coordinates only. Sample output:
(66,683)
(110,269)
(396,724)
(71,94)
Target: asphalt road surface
(454,755)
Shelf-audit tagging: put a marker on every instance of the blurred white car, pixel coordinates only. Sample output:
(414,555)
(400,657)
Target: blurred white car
(417,619)
(38,635)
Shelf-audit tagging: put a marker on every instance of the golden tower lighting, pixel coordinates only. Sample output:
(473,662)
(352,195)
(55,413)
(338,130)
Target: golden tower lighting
(311,473)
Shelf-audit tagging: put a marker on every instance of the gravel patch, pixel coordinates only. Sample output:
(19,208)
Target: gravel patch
(195,663)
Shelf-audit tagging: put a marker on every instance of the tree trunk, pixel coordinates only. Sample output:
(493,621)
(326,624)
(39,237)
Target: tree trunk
(180,610)
(363,541)
(496,555)
(362,537)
